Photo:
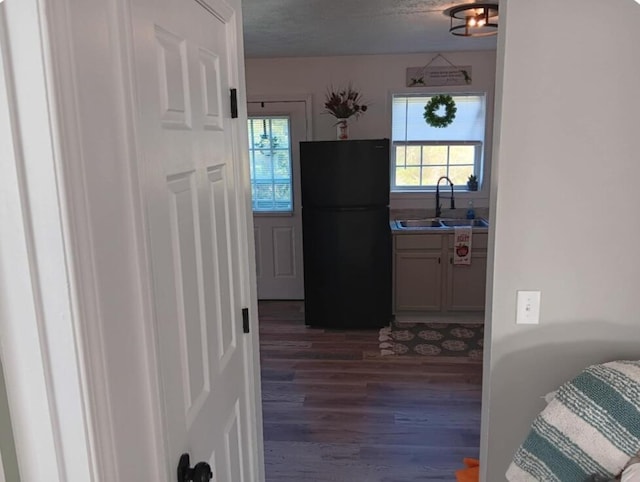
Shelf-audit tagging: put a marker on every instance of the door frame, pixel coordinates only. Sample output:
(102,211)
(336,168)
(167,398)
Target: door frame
(38,310)
(306,100)
(73,177)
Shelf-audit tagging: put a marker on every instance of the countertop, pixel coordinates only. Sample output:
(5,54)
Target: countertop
(395,230)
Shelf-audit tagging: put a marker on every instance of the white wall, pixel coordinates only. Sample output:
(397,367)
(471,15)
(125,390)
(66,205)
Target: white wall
(376,76)
(565,203)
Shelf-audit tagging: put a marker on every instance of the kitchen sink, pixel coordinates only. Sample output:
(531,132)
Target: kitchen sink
(476,223)
(419,223)
(441,223)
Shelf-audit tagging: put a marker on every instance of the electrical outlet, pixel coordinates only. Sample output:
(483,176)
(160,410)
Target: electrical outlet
(528,309)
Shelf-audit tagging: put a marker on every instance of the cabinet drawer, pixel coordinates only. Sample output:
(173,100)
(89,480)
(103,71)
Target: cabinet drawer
(478,241)
(419,241)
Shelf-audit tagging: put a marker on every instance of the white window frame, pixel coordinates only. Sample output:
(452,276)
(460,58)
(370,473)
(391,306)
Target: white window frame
(253,182)
(479,163)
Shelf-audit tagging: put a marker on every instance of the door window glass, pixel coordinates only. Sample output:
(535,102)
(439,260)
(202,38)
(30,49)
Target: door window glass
(270,164)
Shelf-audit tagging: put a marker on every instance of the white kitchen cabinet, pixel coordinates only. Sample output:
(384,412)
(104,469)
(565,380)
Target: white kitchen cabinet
(466,285)
(419,286)
(418,270)
(426,280)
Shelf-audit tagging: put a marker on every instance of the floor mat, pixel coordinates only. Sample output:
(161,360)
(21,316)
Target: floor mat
(433,339)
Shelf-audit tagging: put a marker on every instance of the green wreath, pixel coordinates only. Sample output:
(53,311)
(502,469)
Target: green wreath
(432,107)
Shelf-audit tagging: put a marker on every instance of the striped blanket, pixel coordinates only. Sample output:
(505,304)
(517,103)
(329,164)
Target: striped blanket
(591,427)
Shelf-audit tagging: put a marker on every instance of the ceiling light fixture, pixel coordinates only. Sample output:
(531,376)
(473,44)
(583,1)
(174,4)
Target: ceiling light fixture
(473,19)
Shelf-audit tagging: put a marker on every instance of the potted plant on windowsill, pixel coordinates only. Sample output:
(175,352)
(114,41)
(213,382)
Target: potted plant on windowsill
(472,183)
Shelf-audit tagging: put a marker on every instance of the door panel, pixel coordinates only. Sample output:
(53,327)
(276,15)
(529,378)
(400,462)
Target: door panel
(283,252)
(189,286)
(345,174)
(347,267)
(418,282)
(466,287)
(174,88)
(210,87)
(182,67)
(278,238)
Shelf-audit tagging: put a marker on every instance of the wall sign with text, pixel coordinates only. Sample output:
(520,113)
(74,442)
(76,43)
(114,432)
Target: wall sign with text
(438,76)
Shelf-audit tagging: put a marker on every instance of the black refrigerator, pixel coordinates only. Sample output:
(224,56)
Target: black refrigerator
(346,233)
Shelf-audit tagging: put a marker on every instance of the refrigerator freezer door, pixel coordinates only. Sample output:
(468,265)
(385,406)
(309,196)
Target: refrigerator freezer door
(347,267)
(345,173)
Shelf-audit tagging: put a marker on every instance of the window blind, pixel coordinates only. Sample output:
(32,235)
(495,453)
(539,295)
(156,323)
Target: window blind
(408,122)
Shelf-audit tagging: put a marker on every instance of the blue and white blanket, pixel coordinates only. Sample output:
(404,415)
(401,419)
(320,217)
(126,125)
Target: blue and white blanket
(592,426)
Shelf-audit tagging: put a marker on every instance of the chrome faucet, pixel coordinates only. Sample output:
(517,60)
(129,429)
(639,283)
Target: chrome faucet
(438,206)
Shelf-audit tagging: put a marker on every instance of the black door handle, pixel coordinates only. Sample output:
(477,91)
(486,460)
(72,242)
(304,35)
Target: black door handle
(200,473)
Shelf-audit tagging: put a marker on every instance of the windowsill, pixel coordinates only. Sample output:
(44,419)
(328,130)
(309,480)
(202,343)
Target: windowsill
(480,194)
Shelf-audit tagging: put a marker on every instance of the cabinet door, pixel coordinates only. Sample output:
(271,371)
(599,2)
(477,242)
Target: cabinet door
(418,284)
(466,284)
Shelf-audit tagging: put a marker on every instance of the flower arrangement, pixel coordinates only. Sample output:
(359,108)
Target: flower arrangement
(344,103)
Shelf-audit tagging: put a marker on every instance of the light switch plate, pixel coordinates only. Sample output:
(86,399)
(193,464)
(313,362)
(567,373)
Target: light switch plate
(528,308)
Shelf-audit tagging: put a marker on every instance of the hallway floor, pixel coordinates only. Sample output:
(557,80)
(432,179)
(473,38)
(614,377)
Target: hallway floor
(334,410)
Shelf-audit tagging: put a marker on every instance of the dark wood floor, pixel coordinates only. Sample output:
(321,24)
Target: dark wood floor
(334,410)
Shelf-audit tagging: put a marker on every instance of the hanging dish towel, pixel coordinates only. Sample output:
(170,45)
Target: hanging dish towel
(462,245)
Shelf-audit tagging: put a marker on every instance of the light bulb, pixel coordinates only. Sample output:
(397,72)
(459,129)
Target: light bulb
(482,22)
(472,21)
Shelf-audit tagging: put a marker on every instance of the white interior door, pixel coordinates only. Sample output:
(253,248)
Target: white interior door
(184,62)
(278,236)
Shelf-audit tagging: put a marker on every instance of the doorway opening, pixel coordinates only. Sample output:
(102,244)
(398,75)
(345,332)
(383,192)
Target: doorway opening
(333,406)
(276,128)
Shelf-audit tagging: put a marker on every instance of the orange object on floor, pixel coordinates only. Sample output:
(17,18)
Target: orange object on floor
(471,473)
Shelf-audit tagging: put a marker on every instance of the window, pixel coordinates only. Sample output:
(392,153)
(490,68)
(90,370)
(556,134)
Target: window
(270,164)
(421,153)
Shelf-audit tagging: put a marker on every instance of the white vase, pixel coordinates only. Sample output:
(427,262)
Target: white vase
(343,129)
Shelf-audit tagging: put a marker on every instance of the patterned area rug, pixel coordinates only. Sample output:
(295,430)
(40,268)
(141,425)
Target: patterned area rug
(432,339)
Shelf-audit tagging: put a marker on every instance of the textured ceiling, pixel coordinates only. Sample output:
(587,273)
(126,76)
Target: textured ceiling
(300,28)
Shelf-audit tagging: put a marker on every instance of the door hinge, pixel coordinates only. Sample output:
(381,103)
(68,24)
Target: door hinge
(234,103)
(245,320)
